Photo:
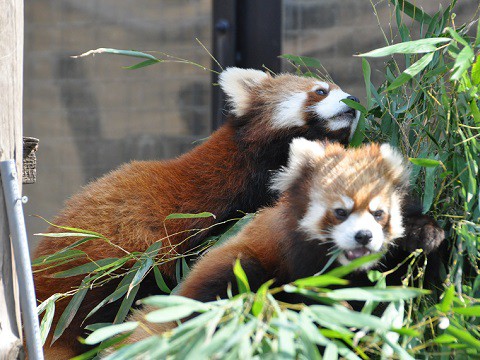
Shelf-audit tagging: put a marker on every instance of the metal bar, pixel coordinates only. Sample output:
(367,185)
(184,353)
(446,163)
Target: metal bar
(18,233)
(224,51)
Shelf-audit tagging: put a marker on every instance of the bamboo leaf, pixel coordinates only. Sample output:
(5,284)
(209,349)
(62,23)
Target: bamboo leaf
(162,285)
(86,268)
(260,298)
(172,313)
(413,11)
(341,271)
(142,64)
(410,47)
(47,321)
(463,336)
(302,61)
(412,70)
(320,281)
(189,216)
(71,309)
(425,162)
(107,332)
(468,311)
(235,229)
(242,281)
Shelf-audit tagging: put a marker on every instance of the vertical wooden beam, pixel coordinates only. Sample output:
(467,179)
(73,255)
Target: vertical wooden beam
(11,92)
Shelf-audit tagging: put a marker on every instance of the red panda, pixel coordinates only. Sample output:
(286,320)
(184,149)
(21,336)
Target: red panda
(226,174)
(332,200)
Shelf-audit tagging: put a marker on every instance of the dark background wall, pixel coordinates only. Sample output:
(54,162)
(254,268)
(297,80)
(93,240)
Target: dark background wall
(91,115)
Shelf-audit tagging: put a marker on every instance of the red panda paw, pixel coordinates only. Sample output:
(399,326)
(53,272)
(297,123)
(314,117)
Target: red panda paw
(422,232)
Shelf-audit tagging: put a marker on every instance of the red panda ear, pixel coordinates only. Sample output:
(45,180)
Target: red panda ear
(399,169)
(302,153)
(237,84)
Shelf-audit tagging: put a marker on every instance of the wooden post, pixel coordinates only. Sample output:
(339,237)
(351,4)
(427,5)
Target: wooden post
(11,91)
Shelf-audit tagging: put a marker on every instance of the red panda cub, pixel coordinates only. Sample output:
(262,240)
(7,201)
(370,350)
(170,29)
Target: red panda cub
(228,173)
(333,201)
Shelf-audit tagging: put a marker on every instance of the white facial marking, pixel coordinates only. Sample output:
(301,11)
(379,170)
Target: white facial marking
(374,204)
(396,223)
(354,124)
(309,222)
(302,152)
(345,203)
(289,113)
(332,105)
(320,84)
(344,234)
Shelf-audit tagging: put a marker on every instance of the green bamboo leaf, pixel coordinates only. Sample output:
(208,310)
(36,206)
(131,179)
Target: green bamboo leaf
(145,266)
(47,321)
(476,71)
(412,11)
(331,352)
(109,343)
(469,311)
(447,299)
(445,339)
(410,47)
(162,301)
(126,305)
(242,280)
(136,350)
(235,229)
(371,294)
(66,234)
(344,270)
(320,281)
(302,61)
(87,268)
(359,134)
(162,285)
(71,309)
(172,313)
(462,63)
(142,64)
(339,315)
(72,229)
(131,53)
(355,105)
(425,162)
(260,298)
(190,216)
(429,192)
(463,336)
(367,72)
(63,256)
(412,70)
(107,332)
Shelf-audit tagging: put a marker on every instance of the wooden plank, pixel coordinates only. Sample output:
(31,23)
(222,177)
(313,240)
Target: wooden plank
(11,90)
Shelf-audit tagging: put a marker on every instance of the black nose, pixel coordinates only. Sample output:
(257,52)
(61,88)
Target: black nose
(353,98)
(363,237)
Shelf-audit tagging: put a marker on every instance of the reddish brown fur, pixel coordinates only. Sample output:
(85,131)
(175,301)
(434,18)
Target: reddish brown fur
(229,172)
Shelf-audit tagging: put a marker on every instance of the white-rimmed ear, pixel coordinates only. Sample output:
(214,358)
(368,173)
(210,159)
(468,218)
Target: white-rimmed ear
(303,153)
(399,168)
(236,83)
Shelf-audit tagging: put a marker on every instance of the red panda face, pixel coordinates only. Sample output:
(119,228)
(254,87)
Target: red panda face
(353,199)
(301,106)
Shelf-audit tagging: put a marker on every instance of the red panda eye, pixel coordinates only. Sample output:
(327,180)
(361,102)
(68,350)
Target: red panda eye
(341,214)
(378,214)
(321,92)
